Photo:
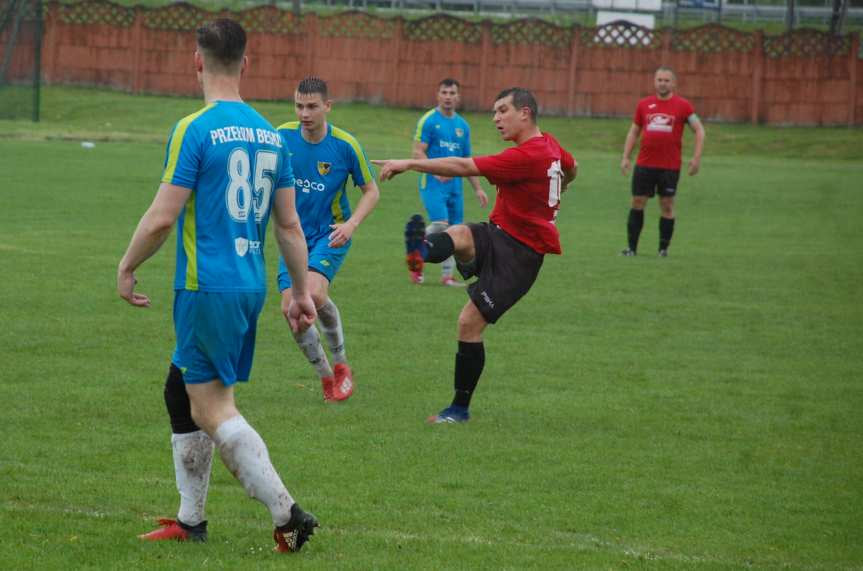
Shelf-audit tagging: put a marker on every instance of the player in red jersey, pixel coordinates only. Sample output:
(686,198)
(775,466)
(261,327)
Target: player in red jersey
(507,253)
(659,119)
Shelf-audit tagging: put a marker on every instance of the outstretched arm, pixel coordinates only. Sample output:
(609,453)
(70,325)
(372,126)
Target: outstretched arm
(152,231)
(342,232)
(631,137)
(444,166)
(695,125)
(301,312)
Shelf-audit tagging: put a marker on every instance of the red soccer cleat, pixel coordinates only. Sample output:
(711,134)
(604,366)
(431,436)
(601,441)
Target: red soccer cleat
(415,266)
(172,530)
(343,386)
(291,537)
(327,384)
(451,282)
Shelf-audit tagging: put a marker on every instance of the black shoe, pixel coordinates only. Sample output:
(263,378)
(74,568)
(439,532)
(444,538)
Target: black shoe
(291,537)
(663,253)
(627,252)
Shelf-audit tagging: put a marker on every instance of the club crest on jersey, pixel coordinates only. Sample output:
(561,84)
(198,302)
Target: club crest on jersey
(241,245)
(459,132)
(324,168)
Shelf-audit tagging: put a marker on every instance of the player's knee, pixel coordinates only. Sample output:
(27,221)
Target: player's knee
(436,227)
(439,247)
(177,403)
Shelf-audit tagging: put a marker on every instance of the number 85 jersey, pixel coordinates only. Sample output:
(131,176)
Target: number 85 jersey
(233,161)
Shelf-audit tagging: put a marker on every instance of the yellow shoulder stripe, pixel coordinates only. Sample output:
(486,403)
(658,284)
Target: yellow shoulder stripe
(358,151)
(420,123)
(291,125)
(177,142)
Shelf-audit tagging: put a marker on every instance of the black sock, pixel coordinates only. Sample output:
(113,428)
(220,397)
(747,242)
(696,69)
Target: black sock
(469,362)
(439,247)
(666,229)
(633,227)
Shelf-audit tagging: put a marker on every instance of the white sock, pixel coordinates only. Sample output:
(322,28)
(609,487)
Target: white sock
(193,458)
(245,455)
(331,327)
(447,267)
(309,342)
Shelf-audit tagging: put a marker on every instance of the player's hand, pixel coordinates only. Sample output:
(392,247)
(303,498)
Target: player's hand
(126,288)
(442,178)
(341,234)
(694,165)
(300,312)
(391,168)
(482,197)
(625,165)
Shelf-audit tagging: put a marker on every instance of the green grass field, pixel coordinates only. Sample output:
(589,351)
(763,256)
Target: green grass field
(700,411)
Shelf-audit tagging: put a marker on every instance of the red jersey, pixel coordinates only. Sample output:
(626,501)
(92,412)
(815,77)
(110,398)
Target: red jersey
(661,122)
(529,179)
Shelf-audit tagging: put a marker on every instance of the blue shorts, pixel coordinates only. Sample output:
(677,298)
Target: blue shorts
(322,259)
(215,334)
(442,200)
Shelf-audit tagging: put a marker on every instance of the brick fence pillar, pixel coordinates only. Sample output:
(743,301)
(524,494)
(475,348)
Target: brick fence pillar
(852,77)
(757,77)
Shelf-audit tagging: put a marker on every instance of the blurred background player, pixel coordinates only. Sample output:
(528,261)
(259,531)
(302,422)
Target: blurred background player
(323,156)
(441,132)
(506,254)
(659,119)
(226,169)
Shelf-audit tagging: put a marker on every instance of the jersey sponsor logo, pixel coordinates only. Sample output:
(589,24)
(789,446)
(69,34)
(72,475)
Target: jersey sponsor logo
(244,246)
(651,106)
(324,168)
(661,122)
(450,145)
(325,263)
(307,186)
(459,132)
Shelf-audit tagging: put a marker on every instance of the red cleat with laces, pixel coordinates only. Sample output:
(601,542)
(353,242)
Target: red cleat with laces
(343,385)
(173,530)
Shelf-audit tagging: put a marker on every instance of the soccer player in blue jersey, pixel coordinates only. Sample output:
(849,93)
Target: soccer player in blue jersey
(442,132)
(226,171)
(323,157)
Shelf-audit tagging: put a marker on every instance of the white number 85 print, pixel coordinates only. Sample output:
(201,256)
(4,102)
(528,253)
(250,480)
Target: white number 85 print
(240,196)
(555,181)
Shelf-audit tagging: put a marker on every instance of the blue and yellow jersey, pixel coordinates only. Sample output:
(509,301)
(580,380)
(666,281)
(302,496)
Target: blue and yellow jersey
(321,171)
(445,136)
(233,160)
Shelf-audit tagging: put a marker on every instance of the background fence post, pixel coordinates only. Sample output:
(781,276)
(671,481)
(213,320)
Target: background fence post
(573,70)
(852,77)
(757,77)
(483,65)
(137,73)
(396,51)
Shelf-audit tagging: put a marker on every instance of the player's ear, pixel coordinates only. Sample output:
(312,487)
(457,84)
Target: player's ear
(244,65)
(328,105)
(199,62)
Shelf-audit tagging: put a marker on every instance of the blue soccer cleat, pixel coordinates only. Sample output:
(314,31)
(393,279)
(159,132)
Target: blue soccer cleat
(415,233)
(450,415)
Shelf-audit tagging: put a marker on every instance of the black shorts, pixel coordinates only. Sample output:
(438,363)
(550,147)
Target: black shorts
(648,181)
(506,269)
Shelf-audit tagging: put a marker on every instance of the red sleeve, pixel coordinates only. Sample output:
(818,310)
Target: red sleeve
(638,118)
(688,109)
(510,165)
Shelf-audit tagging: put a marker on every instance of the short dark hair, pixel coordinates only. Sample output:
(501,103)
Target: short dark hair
(521,97)
(311,85)
(222,43)
(665,68)
(448,82)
